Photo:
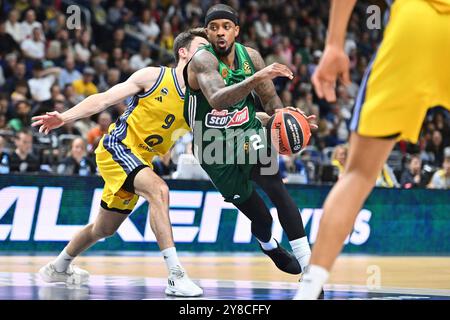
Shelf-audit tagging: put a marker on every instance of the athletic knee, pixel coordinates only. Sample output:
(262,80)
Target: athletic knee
(360,177)
(158,193)
(102,231)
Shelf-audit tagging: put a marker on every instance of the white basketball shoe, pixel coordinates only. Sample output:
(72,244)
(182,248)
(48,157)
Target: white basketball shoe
(179,284)
(72,275)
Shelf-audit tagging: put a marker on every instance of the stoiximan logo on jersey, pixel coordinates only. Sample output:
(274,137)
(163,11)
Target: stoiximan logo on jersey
(224,119)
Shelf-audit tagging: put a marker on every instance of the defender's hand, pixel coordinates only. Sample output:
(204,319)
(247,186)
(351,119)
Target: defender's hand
(48,121)
(334,64)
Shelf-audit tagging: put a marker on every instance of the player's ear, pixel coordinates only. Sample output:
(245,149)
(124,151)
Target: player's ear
(236,31)
(182,53)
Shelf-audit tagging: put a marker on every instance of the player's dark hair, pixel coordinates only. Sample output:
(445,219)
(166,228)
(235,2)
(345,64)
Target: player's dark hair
(184,39)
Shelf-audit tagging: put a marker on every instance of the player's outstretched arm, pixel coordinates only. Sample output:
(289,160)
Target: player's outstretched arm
(96,103)
(204,65)
(339,15)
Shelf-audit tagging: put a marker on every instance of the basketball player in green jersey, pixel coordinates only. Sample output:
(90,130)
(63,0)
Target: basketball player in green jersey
(219,80)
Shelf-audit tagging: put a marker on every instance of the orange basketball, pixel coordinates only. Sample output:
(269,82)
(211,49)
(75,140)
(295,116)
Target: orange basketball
(289,131)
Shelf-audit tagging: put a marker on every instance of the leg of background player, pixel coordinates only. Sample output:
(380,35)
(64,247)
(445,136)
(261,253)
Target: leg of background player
(365,160)
(106,224)
(148,185)
(60,270)
(155,191)
(288,214)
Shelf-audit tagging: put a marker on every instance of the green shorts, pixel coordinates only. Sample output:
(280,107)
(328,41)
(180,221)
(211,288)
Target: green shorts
(233,180)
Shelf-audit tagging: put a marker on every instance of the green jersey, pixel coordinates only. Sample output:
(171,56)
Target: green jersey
(201,116)
(228,143)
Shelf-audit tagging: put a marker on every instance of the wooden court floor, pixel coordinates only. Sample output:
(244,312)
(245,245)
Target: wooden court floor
(398,272)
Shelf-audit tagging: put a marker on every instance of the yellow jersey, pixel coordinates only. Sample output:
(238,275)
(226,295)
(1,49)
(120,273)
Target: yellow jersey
(149,127)
(442,6)
(409,74)
(154,119)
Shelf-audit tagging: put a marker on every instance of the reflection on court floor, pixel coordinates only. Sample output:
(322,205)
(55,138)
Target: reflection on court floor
(27,286)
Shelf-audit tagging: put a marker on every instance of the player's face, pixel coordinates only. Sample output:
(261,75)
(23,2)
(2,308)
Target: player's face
(221,34)
(196,43)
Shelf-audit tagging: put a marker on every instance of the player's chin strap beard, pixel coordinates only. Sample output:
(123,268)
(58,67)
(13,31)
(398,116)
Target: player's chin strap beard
(223,53)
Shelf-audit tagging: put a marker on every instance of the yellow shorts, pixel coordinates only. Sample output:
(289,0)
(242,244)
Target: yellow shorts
(409,74)
(116,162)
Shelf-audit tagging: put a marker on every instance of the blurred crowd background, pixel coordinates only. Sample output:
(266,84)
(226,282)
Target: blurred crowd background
(50,61)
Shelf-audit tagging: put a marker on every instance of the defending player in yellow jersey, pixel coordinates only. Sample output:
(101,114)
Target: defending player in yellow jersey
(150,125)
(409,74)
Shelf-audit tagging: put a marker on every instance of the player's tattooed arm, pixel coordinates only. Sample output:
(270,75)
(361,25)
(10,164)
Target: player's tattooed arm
(219,96)
(265,90)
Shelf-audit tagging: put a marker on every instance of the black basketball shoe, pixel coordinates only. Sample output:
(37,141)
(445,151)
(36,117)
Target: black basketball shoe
(284,260)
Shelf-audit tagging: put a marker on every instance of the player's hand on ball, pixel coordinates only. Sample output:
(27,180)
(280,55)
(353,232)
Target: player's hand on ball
(311,119)
(334,64)
(48,121)
(263,117)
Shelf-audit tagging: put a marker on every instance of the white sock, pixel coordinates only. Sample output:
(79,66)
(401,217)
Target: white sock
(272,244)
(302,251)
(171,257)
(62,261)
(312,283)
